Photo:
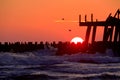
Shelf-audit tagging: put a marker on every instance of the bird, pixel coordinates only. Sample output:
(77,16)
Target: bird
(70,30)
(63,19)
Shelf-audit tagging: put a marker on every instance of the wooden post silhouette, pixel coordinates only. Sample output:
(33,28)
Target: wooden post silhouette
(87,34)
(94,33)
(108,33)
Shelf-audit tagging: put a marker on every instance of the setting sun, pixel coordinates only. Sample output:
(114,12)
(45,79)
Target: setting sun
(76,40)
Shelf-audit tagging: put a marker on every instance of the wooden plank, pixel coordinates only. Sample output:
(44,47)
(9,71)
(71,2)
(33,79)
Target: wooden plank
(102,23)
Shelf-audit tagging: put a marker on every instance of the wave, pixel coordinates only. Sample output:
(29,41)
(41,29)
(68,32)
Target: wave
(49,57)
(45,65)
(104,76)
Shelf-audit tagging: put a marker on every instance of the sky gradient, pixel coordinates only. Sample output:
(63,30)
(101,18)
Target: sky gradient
(35,20)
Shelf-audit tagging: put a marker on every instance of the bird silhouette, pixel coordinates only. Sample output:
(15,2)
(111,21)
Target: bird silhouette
(63,19)
(69,30)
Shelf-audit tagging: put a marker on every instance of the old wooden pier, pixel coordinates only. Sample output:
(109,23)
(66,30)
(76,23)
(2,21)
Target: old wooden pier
(111,35)
(111,27)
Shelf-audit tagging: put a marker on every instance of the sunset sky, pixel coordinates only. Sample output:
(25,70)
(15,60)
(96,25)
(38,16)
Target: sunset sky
(35,20)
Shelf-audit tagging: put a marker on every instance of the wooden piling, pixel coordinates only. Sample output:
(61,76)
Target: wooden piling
(116,34)
(87,34)
(94,34)
(91,17)
(108,33)
(85,18)
(111,33)
(79,19)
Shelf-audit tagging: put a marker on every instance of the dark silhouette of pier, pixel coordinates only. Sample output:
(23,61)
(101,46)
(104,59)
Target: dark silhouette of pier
(111,23)
(111,30)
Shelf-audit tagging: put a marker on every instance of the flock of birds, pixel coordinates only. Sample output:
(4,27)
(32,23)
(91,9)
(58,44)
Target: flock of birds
(68,29)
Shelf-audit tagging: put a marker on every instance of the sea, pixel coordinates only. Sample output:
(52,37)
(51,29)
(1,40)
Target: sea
(46,65)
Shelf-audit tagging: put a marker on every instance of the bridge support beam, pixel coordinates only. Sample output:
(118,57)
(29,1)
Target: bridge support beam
(87,34)
(108,33)
(94,34)
(117,34)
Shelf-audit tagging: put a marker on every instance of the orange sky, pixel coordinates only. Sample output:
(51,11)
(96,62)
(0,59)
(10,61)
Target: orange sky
(35,20)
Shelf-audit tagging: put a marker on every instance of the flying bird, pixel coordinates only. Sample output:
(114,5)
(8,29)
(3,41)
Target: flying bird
(70,30)
(63,19)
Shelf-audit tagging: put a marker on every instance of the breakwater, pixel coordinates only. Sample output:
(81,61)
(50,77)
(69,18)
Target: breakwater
(62,47)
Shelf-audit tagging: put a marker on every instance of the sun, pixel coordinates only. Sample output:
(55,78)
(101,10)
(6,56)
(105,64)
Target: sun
(77,40)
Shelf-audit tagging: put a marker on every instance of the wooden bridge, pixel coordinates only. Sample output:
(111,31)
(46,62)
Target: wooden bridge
(111,27)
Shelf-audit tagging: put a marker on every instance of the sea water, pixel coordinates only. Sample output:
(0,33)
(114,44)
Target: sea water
(45,65)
